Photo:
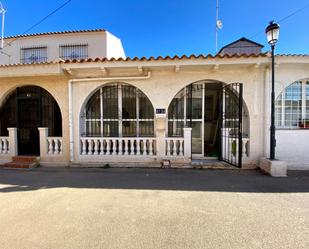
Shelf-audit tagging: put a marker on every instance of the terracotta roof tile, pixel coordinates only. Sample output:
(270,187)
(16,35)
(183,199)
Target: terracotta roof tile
(292,55)
(30,64)
(160,58)
(56,33)
(176,57)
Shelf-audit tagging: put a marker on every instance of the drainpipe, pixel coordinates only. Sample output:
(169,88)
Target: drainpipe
(70,95)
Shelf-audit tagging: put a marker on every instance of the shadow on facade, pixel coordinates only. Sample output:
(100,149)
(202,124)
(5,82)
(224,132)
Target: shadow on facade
(152,179)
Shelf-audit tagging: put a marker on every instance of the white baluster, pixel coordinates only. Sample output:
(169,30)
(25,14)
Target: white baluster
(174,147)
(114,147)
(90,146)
(50,146)
(168,144)
(4,146)
(1,141)
(84,149)
(101,142)
(7,148)
(120,146)
(150,147)
(131,146)
(126,151)
(138,147)
(144,147)
(56,146)
(108,146)
(244,147)
(60,146)
(96,147)
(181,147)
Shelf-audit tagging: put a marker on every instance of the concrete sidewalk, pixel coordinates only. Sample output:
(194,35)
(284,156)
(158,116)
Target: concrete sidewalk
(152,208)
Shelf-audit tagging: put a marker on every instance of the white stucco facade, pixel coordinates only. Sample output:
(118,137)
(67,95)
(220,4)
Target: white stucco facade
(72,83)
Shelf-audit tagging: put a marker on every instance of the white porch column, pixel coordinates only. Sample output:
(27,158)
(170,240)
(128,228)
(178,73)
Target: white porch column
(13,148)
(160,137)
(43,141)
(187,142)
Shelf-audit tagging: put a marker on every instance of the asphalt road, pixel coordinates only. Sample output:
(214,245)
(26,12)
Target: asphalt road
(152,208)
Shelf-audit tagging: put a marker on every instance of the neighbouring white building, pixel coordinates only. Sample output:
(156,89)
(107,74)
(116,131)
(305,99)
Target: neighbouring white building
(74,98)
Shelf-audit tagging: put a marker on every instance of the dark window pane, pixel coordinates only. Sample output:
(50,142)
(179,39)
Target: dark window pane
(129,128)
(146,128)
(145,107)
(175,128)
(110,129)
(93,107)
(93,128)
(176,108)
(110,102)
(128,102)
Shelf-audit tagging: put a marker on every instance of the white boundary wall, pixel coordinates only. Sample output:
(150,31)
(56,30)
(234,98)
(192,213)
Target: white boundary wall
(293,147)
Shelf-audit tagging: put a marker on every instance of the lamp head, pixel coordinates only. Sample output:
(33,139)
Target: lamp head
(272,33)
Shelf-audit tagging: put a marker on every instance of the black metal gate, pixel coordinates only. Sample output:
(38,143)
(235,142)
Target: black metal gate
(231,124)
(29,119)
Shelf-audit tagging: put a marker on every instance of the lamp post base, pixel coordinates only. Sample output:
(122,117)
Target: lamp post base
(275,168)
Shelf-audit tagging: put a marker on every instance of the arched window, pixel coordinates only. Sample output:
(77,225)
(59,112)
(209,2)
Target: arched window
(118,110)
(292,106)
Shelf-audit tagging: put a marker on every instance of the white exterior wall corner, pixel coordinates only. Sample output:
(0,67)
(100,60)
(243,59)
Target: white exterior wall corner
(114,48)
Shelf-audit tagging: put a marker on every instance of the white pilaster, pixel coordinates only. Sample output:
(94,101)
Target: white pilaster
(13,148)
(160,137)
(43,141)
(187,142)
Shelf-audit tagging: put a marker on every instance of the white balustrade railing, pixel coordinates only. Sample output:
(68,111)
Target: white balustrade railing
(4,145)
(174,146)
(118,146)
(230,147)
(54,145)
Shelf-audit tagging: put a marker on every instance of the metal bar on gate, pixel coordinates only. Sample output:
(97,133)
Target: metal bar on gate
(240,107)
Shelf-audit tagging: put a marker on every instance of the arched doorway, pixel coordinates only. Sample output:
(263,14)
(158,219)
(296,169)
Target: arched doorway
(211,109)
(28,108)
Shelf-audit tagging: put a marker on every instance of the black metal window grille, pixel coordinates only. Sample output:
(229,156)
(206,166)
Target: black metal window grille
(73,51)
(118,110)
(33,54)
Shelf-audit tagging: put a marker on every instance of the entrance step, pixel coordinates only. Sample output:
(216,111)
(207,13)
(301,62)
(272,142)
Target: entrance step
(210,164)
(23,162)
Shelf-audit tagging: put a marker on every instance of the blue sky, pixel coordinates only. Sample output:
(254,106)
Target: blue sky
(167,27)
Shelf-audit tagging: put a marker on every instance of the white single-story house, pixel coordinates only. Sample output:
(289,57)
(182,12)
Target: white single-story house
(74,98)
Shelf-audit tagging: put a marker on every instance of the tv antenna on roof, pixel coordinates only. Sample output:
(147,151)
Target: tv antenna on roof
(219,24)
(2,12)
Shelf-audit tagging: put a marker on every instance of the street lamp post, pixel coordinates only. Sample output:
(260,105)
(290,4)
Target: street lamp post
(272,33)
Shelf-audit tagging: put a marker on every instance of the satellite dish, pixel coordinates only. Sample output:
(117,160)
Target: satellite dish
(219,24)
